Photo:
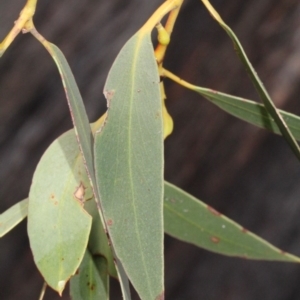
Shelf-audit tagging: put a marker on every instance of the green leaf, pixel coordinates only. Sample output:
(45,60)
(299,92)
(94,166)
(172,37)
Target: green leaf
(98,243)
(13,216)
(81,126)
(58,226)
(190,220)
(265,97)
(77,109)
(250,111)
(129,165)
(91,281)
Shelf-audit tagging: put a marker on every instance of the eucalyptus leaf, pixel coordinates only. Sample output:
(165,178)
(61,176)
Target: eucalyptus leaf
(91,281)
(58,225)
(129,165)
(190,220)
(250,111)
(13,216)
(265,97)
(77,110)
(82,129)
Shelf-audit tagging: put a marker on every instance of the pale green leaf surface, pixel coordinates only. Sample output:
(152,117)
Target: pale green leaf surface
(91,281)
(77,109)
(58,226)
(265,97)
(13,216)
(250,111)
(129,165)
(188,219)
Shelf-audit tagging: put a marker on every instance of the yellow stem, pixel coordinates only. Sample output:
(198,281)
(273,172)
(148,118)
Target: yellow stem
(212,11)
(26,14)
(161,49)
(165,8)
(178,80)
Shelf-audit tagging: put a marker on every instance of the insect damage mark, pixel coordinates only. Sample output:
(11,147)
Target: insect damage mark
(213,211)
(109,95)
(244,230)
(80,193)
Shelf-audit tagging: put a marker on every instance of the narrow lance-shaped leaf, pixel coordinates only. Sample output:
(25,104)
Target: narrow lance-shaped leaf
(129,165)
(188,219)
(265,97)
(77,110)
(250,111)
(247,110)
(58,225)
(13,216)
(91,281)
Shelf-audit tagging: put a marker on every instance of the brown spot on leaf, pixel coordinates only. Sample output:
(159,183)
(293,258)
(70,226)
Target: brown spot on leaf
(215,240)
(161,296)
(77,272)
(244,230)
(213,211)
(282,252)
(109,222)
(173,200)
(52,198)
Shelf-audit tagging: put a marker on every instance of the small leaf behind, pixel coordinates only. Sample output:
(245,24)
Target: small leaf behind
(91,281)
(13,216)
(188,219)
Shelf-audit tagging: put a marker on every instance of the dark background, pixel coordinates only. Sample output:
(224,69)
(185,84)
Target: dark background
(246,173)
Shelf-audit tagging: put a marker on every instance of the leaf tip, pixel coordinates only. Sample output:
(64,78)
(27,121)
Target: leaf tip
(60,286)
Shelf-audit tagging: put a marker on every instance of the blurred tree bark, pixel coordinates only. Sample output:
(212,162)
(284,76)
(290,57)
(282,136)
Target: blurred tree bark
(246,173)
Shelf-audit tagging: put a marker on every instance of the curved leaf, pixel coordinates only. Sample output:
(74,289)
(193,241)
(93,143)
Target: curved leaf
(58,226)
(265,97)
(250,111)
(190,220)
(247,110)
(129,165)
(13,216)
